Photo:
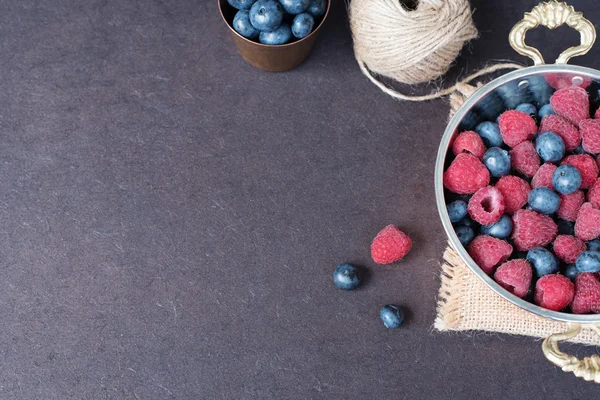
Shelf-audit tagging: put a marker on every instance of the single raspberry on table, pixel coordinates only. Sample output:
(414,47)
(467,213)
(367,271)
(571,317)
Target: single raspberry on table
(568,248)
(531,229)
(593,195)
(515,192)
(586,165)
(587,226)
(466,174)
(571,103)
(487,252)
(587,294)
(563,128)
(590,135)
(516,127)
(390,245)
(570,205)
(524,159)
(554,292)
(469,142)
(486,206)
(543,176)
(515,276)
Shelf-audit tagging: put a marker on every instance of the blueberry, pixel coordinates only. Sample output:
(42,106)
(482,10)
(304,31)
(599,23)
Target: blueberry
(295,6)
(469,121)
(579,150)
(566,179)
(266,15)
(345,276)
(550,147)
(302,25)
(571,271)
(490,106)
(467,221)
(528,109)
(540,90)
(242,25)
(241,4)
(465,234)
(391,315)
(457,210)
(497,161)
(317,7)
(490,133)
(565,227)
(545,111)
(543,200)
(543,261)
(513,94)
(588,261)
(594,245)
(281,35)
(501,229)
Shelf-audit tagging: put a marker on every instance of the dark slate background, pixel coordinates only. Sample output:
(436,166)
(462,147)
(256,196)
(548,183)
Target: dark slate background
(171,216)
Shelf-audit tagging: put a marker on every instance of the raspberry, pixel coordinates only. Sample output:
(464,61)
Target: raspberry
(572,103)
(487,252)
(590,134)
(515,192)
(586,165)
(570,205)
(563,128)
(587,226)
(390,245)
(543,176)
(597,114)
(524,159)
(487,205)
(593,195)
(531,229)
(468,142)
(561,80)
(587,294)
(516,127)
(554,292)
(568,248)
(515,276)
(466,174)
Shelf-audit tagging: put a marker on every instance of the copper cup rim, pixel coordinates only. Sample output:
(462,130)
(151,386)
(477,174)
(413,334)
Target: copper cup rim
(275,45)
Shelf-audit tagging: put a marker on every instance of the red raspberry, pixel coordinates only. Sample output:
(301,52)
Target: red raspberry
(570,205)
(531,229)
(587,226)
(560,80)
(572,103)
(563,128)
(597,114)
(586,165)
(568,248)
(590,134)
(587,294)
(487,252)
(515,192)
(524,159)
(466,174)
(543,176)
(390,245)
(593,195)
(487,205)
(469,142)
(516,127)
(554,292)
(515,276)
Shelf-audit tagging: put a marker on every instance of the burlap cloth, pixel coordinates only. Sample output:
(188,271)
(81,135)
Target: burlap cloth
(465,303)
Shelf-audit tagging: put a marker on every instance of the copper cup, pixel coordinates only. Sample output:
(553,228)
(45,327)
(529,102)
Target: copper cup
(272,58)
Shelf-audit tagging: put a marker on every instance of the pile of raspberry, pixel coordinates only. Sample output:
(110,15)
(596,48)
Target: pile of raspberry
(550,259)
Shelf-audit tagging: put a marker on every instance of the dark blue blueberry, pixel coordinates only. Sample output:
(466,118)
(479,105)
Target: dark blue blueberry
(241,4)
(543,261)
(545,111)
(490,106)
(242,25)
(281,35)
(317,7)
(497,161)
(469,121)
(465,234)
(501,229)
(593,245)
(528,109)
(295,6)
(391,315)
(566,179)
(543,200)
(490,133)
(345,276)
(266,15)
(302,25)
(565,227)
(550,147)
(540,90)
(579,150)
(588,261)
(571,271)
(513,94)
(468,221)
(457,210)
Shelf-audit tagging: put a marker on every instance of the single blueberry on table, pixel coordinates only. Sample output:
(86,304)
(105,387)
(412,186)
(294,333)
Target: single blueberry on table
(550,146)
(497,161)
(501,229)
(345,276)
(543,261)
(588,261)
(457,210)
(241,4)
(465,234)
(566,179)
(242,25)
(317,7)
(545,111)
(295,6)
(571,271)
(302,25)
(543,200)
(281,35)
(565,227)
(391,315)
(266,15)
(594,245)
(490,133)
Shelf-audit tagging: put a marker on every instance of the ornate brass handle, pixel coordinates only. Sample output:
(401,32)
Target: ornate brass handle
(588,368)
(552,15)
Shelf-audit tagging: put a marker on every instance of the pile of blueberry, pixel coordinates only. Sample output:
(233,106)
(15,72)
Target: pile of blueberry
(276,21)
